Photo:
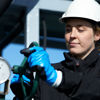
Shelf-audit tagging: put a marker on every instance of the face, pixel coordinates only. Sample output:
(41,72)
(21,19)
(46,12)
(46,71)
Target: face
(80,37)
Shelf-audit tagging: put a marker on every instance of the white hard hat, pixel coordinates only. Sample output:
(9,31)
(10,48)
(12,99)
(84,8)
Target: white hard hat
(88,9)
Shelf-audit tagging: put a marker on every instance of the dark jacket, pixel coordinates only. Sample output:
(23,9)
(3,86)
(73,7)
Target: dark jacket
(81,80)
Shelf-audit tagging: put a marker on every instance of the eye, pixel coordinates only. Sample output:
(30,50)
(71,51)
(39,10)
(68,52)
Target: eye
(68,29)
(80,29)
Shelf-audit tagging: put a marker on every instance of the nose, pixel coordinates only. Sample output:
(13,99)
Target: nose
(73,32)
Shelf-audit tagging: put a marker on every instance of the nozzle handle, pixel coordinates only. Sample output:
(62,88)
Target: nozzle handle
(26,52)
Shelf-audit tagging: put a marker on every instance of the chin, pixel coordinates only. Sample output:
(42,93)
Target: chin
(75,51)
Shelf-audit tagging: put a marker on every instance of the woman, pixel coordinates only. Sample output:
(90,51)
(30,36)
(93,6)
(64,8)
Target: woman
(81,36)
(78,76)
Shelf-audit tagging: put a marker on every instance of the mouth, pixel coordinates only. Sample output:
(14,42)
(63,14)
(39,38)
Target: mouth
(72,44)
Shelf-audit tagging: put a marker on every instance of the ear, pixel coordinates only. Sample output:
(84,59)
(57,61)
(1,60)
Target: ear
(97,36)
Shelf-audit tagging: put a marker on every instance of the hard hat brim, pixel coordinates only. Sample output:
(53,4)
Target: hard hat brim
(64,19)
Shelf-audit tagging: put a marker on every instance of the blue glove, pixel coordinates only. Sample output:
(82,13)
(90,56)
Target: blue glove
(17,88)
(39,61)
(16,79)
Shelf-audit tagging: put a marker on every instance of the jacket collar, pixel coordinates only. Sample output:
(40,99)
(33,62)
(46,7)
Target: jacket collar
(80,65)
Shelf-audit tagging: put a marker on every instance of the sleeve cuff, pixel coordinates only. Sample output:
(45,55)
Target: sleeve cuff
(58,80)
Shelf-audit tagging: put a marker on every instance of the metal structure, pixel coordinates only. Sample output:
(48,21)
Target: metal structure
(23,21)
